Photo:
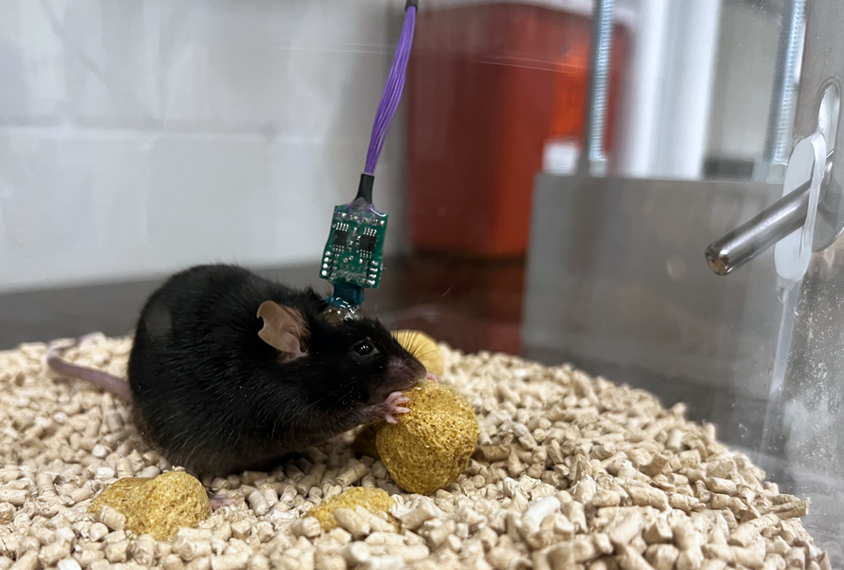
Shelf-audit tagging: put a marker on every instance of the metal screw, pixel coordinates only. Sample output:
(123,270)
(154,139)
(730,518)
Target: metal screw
(782,100)
(599,57)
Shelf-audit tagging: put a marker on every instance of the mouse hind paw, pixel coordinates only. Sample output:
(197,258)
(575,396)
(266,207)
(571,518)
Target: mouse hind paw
(218,501)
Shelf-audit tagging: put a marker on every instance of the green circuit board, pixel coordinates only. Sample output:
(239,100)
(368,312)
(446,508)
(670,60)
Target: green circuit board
(353,252)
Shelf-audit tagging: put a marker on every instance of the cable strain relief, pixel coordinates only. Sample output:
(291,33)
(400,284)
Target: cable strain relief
(346,295)
(409,3)
(365,188)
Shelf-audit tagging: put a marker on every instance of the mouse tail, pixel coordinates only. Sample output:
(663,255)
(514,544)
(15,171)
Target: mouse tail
(116,386)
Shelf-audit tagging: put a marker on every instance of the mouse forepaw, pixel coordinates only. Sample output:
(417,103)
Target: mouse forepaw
(392,407)
(396,398)
(432,377)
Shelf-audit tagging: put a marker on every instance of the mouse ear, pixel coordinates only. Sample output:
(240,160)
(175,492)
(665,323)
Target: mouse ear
(284,329)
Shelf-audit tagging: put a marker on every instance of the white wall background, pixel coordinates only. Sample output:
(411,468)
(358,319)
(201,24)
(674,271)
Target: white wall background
(744,79)
(139,137)
(666,103)
(699,85)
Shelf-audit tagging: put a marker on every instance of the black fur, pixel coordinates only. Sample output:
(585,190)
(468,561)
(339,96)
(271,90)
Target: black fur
(213,397)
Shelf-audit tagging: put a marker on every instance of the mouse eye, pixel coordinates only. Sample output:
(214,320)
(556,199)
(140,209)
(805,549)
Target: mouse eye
(364,348)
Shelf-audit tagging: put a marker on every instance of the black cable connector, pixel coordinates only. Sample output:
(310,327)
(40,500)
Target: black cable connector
(365,188)
(409,3)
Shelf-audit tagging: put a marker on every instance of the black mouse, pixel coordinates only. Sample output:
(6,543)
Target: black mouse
(231,371)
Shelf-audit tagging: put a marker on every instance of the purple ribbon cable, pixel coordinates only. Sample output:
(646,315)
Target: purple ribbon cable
(392,92)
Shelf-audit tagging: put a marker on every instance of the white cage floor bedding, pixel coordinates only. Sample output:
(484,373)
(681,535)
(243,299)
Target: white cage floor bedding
(571,472)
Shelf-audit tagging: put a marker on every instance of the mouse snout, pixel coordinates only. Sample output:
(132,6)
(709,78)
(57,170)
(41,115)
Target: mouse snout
(403,373)
(415,369)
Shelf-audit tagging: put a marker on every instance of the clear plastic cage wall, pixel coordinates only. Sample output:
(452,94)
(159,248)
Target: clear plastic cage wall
(720,286)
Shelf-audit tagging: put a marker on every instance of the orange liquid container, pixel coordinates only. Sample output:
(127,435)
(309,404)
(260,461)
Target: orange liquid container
(487,86)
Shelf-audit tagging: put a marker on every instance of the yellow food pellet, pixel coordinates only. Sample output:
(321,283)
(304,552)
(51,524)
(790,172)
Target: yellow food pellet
(364,443)
(423,347)
(117,494)
(158,506)
(431,445)
(373,500)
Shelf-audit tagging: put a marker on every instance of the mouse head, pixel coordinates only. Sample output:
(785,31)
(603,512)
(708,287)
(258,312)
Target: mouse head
(357,359)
